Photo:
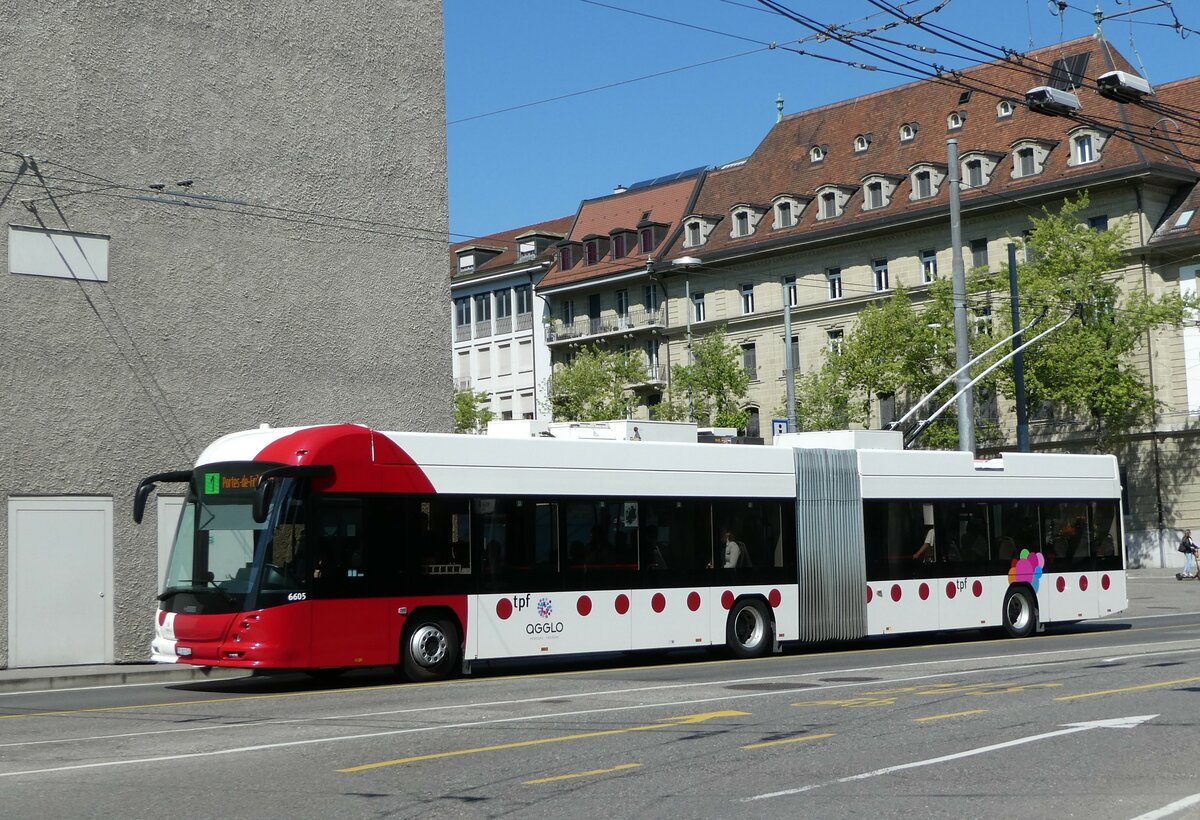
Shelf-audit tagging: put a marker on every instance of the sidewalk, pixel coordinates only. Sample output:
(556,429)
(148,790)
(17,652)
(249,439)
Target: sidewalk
(1152,592)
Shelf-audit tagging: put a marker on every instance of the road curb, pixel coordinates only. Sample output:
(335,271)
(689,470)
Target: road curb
(18,680)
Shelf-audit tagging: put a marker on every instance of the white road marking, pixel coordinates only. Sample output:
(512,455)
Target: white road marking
(1072,728)
(1170,808)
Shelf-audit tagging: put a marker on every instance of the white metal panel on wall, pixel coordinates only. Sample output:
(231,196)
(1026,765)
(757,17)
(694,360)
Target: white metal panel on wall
(60,581)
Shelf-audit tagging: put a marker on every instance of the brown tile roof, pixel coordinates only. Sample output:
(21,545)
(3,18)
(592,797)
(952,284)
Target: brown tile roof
(781,162)
(663,204)
(506,242)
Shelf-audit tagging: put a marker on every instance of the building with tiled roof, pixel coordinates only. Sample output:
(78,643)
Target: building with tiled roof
(498,344)
(600,290)
(840,204)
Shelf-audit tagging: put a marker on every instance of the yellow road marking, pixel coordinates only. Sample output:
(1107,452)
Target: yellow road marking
(848,703)
(592,773)
(665,723)
(800,739)
(1141,688)
(951,715)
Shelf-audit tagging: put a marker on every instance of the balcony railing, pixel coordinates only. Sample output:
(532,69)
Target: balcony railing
(584,327)
(462,333)
(483,329)
(462,383)
(524,321)
(503,324)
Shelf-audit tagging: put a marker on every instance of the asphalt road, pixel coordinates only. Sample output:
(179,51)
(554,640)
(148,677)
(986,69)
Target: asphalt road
(1088,721)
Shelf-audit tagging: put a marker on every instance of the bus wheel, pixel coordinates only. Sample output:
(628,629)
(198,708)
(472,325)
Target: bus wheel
(1020,615)
(430,649)
(748,630)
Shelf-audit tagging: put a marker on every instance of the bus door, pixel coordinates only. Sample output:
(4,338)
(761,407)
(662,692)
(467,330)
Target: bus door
(349,623)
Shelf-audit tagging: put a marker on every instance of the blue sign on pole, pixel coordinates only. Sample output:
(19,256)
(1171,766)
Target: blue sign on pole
(778,427)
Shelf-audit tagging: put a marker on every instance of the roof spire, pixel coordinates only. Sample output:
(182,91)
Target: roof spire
(779,108)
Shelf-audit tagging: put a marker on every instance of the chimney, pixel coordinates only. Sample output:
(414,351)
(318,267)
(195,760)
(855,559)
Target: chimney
(620,189)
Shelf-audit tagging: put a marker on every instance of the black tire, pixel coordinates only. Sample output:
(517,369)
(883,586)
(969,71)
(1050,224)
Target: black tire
(431,649)
(1020,613)
(748,630)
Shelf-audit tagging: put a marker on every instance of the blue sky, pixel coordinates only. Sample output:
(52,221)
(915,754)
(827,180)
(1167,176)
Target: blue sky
(713,98)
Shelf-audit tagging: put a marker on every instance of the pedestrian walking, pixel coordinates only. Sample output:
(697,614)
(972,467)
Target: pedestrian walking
(1188,547)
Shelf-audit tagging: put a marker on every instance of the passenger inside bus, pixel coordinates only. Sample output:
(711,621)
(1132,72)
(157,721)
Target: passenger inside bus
(927,551)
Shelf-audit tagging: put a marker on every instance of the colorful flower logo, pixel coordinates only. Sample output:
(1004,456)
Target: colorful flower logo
(545,607)
(1028,568)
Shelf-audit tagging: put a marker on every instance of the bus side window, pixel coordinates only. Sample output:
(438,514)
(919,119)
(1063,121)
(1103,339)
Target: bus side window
(340,552)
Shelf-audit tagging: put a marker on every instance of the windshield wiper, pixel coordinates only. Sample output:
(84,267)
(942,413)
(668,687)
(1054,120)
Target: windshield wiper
(197,584)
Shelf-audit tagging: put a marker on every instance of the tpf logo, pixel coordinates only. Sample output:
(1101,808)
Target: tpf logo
(545,607)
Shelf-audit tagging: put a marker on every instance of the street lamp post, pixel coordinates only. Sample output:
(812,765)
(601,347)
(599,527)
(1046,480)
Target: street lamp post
(686,264)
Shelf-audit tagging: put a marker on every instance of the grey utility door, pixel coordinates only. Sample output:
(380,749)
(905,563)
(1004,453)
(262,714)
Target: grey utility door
(60,581)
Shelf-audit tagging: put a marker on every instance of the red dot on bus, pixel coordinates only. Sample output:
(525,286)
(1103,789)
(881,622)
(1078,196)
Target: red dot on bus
(870,594)
(1083,582)
(583,605)
(895,592)
(1104,582)
(951,589)
(503,608)
(924,592)
(977,588)
(1061,584)
(162,617)
(659,602)
(774,598)
(727,599)
(693,601)
(622,604)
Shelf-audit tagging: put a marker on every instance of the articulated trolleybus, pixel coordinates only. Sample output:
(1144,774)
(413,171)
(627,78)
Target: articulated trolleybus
(330,547)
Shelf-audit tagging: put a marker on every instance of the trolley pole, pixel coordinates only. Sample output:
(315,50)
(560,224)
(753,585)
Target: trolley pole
(789,364)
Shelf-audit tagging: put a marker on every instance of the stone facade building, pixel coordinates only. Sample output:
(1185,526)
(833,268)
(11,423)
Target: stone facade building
(214,216)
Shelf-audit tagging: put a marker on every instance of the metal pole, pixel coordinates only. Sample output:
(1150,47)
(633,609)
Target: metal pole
(962,353)
(687,306)
(1018,358)
(789,363)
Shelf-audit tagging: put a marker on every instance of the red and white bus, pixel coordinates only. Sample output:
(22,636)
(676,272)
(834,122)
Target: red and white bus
(331,547)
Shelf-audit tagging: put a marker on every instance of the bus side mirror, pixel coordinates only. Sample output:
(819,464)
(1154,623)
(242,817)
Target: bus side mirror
(263,491)
(146,485)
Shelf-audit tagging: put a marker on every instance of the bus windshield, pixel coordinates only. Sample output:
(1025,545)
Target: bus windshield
(223,561)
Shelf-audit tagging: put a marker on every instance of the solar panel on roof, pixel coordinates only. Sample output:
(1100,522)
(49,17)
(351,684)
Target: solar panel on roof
(649,183)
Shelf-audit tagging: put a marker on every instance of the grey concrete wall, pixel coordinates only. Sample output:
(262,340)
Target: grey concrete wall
(216,319)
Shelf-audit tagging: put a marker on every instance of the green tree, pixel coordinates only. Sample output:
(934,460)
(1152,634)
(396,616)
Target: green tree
(592,386)
(471,411)
(712,386)
(1085,367)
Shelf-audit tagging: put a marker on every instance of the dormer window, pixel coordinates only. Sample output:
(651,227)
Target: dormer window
(741,224)
(955,120)
(861,143)
(568,254)
(1029,157)
(745,219)
(466,263)
(922,185)
(1004,110)
(1087,143)
(787,209)
(833,199)
(926,179)
(619,248)
(817,153)
(878,190)
(829,207)
(977,167)
(908,132)
(696,228)
(526,249)
(592,250)
(646,239)
(693,234)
